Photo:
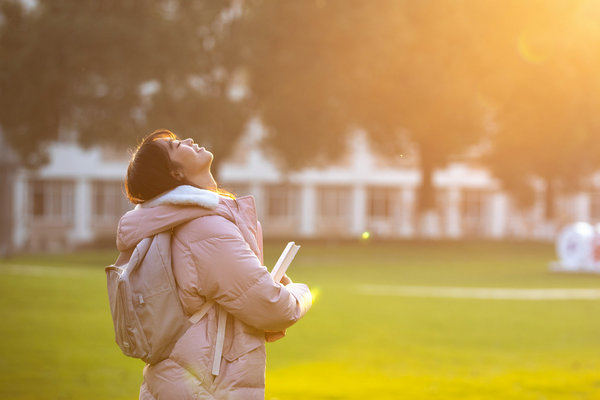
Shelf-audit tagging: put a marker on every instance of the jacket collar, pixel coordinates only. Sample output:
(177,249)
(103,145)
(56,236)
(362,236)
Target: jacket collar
(184,195)
(181,205)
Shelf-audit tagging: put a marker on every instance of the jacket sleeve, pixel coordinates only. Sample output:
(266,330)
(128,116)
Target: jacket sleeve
(231,274)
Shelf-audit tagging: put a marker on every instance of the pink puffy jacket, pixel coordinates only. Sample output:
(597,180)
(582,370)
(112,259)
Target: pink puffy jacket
(216,255)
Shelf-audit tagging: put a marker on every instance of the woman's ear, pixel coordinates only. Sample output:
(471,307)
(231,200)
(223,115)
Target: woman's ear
(178,175)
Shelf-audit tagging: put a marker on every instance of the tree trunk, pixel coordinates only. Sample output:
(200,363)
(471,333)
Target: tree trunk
(426,199)
(549,199)
(6,195)
(428,220)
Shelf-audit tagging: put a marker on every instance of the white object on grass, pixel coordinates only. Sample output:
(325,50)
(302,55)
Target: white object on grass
(575,246)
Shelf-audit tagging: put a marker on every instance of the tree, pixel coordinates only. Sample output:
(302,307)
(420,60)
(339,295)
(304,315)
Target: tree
(295,77)
(547,97)
(425,88)
(402,70)
(112,71)
(438,75)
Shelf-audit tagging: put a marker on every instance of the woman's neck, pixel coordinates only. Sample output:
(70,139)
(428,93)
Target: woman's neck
(204,181)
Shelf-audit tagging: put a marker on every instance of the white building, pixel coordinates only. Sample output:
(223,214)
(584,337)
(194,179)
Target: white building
(78,198)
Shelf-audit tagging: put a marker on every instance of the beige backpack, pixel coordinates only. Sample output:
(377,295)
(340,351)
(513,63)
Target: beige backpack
(147,315)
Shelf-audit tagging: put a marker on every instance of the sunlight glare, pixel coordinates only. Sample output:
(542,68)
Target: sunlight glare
(530,51)
(315,293)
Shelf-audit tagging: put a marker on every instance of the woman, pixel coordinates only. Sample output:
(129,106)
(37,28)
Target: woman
(216,257)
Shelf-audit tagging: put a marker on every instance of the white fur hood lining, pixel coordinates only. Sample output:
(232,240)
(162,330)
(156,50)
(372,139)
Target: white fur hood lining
(184,195)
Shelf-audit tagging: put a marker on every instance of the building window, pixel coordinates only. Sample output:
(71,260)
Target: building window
(52,200)
(38,199)
(380,202)
(334,202)
(474,211)
(473,204)
(109,200)
(282,201)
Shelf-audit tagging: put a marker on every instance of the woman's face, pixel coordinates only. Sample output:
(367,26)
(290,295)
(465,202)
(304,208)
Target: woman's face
(188,156)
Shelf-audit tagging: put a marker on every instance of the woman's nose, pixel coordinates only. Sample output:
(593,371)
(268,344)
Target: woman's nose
(189,141)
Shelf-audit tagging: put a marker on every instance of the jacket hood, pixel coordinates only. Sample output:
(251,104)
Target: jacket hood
(166,211)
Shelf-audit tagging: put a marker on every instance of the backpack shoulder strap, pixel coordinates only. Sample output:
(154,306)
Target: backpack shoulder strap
(221,323)
(198,315)
(138,255)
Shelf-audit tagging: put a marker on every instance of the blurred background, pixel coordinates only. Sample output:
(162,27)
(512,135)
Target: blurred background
(451,119)
(420,140)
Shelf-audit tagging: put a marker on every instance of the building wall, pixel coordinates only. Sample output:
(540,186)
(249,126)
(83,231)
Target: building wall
(79,197)
(75,199)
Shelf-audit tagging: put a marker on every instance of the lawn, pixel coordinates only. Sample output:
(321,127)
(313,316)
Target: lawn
(56,339)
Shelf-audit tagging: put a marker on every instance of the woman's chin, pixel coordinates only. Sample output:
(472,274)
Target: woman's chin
(210,158)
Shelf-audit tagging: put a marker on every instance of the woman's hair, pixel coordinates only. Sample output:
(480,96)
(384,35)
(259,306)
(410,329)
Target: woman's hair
(150,169)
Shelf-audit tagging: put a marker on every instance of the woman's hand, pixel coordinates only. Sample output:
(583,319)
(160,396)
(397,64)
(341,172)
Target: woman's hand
(273,336)
(285,280)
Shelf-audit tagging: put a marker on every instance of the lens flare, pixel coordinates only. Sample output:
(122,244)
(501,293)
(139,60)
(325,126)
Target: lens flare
(365,235)
(315,293)
(531,51)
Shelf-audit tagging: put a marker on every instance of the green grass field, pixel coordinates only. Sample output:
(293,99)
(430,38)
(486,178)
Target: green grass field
(56,339)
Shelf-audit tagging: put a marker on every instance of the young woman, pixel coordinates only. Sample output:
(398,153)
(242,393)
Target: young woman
(216,257)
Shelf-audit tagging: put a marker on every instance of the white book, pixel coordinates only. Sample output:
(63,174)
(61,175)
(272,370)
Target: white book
(284,261)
